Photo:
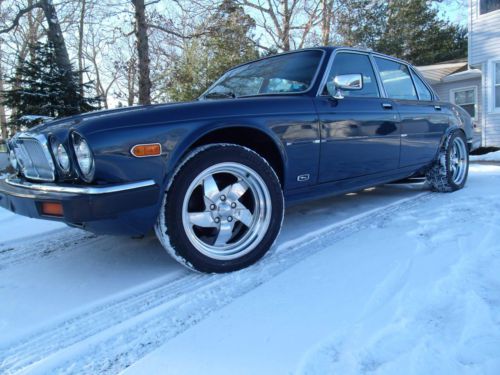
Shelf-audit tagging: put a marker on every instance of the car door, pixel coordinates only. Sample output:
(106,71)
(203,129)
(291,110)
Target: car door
(422,120)
(360,133)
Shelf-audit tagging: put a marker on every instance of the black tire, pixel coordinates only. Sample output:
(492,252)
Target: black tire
(442,176)
(197,247)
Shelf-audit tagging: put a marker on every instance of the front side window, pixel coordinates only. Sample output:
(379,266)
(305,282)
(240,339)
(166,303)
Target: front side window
(353,63)
(487,6)
(288,73)
(465,98)
(396,79)
(422,90)
(497,85)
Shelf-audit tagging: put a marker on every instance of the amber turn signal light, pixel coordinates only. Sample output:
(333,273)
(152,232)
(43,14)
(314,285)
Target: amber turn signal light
(141,151)
(52,209)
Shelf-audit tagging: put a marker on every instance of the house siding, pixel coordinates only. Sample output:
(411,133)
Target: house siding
(484,35)
(491,124)
(484,48)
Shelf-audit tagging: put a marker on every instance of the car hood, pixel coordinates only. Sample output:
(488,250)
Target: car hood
(83,120)
(175,113)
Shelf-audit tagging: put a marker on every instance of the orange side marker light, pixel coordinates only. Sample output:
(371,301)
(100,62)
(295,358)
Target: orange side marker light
(52,209)
(144,150)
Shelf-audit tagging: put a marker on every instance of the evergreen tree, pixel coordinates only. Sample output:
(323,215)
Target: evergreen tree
(38,89)
(205,59)
(408,29)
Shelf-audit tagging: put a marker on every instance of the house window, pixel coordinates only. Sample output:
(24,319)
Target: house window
(466,98)
(487,6)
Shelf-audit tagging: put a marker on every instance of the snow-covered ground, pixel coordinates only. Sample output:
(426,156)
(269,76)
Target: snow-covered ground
(391,280)
(489,157)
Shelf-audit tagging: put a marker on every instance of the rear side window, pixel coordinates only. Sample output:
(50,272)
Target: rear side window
(422,90)
(396,79)
(353,63)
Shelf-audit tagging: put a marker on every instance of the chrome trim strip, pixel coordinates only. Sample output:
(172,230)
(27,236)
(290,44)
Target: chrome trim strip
(90,190)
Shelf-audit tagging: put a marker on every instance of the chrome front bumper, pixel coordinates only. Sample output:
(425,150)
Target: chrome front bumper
(130,208)
(86,190)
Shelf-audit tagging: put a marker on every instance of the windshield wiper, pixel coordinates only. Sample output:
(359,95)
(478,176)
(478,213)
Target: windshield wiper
(219,95)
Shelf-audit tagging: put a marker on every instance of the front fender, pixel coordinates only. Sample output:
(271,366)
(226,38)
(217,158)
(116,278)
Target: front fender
(201,131)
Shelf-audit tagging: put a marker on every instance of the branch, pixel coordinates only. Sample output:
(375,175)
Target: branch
(21,13)
(177,34)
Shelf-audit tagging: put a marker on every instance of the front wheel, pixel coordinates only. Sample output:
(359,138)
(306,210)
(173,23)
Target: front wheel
(450,170)
(222,211)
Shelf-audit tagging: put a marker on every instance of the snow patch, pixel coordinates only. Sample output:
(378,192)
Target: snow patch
(490,157)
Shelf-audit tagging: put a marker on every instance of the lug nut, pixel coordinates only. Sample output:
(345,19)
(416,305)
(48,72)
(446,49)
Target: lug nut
(217,220)
(233,205)
(229,218)
(223,198)
(212,207)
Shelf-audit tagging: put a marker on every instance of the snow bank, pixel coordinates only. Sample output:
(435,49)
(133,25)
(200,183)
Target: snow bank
(491,156)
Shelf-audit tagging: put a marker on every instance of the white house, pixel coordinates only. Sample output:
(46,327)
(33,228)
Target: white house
(474,83)
(484,54)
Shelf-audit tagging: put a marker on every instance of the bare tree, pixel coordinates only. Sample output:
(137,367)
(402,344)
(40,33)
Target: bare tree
(3,117)
(105,68)
(141,32)
(81,28)
(327,20)
(287,23)
(54,33)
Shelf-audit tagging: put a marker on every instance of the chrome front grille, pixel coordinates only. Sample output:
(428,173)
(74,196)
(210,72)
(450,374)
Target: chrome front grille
(33,156)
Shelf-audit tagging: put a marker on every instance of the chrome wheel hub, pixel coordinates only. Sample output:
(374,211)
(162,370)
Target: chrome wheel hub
(226,211)
(458,161)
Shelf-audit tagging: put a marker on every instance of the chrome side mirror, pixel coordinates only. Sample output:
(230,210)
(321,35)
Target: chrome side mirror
(347,82)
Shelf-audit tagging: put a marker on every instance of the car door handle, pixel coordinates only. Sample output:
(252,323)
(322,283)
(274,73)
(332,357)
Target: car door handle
(437,107)
(387,105)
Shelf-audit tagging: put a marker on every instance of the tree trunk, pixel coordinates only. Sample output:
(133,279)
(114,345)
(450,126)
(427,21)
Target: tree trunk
(131,74)
(142,52)
(326,22)
(3,118)
(80,44)
(32,37)
(285,37)
(55,35)
(3,122)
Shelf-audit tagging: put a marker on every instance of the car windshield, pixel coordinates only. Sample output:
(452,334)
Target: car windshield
(288,73)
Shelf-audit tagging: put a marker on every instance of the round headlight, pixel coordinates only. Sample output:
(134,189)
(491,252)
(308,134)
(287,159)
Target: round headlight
(13,159)
(83,156)
(61,155)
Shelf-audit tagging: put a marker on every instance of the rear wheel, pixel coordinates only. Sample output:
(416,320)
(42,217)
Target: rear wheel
(223,210)
(450,170)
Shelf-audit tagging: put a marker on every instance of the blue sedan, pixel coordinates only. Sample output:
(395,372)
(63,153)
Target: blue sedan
(212,176)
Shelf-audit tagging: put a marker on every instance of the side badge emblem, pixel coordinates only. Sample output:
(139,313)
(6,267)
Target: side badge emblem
(303,177)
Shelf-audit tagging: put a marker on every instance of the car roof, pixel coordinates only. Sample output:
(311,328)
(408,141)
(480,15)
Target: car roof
(330,49)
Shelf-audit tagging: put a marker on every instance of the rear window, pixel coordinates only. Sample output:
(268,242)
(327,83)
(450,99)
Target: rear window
(423,91)
(396,79)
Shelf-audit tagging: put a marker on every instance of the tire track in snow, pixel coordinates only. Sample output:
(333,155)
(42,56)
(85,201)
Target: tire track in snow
(114,335)
(54,241)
